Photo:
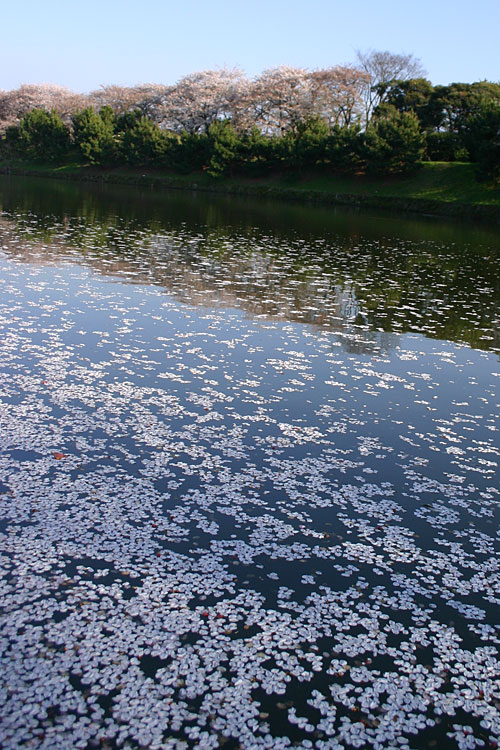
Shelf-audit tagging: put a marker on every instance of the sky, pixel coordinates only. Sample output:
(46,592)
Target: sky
(84,44)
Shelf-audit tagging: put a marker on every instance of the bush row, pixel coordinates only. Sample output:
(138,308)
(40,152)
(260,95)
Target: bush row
(393,143)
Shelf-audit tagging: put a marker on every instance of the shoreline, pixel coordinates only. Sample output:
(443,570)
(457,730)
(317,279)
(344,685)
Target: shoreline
(401,204)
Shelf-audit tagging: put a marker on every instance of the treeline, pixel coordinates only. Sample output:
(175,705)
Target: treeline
(378,117)
(392,144)
(460,122)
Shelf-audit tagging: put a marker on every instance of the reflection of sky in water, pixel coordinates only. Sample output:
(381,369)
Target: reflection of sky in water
(222,525)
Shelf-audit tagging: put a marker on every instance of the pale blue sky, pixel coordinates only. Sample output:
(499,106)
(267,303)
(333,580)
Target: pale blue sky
(85,43)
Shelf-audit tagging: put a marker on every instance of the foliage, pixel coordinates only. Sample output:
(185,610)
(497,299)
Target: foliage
(142,142)
(188,153)
(344,150)
(411,95)
(127,120)
(226,148)
(484,141)
(451,107)
(307,148)
(41,136)
(378,115)
(258,153)
(108,117)
(393,144)
(448,115)
(94,135)
(442,145)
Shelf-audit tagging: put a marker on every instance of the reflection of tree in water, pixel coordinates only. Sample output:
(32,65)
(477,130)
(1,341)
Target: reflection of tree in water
(342,281)
(362,341)
(200,272)
(447,293)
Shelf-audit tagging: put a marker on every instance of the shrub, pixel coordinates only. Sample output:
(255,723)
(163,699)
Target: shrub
(41,136)
(94,135)
(226,148)
(393,144)
(142,142)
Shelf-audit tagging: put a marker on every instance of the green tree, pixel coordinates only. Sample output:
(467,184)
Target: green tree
(451,107)
(484,141)
(489,160)
(143,142)
(449,114)
(188,153)
(343,149)
(226,148)
(444,145)
(257,154)
(127,120)
(412,95)
(393,144)
(108,116)
(94,135)
(307,144)
(41,136)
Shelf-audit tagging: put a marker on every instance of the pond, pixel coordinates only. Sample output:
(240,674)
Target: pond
(249,474)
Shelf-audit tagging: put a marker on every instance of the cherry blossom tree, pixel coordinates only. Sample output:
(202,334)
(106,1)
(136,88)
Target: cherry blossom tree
(123,99)
(279,99)
(337,94)
(276,102)
(200,99)
(14,104)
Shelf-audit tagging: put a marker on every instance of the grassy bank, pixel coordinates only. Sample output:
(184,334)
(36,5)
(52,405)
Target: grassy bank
(440,188)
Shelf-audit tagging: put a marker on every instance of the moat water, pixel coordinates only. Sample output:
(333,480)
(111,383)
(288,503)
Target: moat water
(249,474)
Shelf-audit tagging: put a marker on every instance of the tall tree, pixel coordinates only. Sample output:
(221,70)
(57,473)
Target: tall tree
(382,68)
(337,94)
(279,99)
(412,95)
(200,99)
(16,103)
(124,99)
(484,141)
(450,107)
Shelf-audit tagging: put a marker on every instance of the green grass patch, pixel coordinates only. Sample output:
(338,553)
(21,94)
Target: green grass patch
(436,181)
(435,184)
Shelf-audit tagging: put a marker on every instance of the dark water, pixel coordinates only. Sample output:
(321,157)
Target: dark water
(249,474)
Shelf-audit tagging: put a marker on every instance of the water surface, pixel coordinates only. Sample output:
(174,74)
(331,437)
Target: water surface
(250,478)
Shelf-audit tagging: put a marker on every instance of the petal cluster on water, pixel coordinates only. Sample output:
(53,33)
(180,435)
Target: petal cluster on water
(226,526)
